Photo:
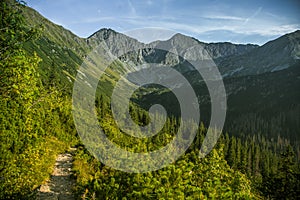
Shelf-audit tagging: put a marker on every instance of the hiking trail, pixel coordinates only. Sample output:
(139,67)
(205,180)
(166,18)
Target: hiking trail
(60,186)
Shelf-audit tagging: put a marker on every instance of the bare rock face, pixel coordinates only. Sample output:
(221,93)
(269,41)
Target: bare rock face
(231,59)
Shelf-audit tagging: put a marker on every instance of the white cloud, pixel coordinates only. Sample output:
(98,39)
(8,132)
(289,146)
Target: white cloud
(132,8)
(253,15)
(259,23)
(263,29)
(277,30)
(224,17)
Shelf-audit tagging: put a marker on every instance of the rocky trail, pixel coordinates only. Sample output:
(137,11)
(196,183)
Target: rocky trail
(60,186)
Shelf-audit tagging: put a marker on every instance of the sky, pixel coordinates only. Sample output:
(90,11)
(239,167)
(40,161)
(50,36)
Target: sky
(242,21)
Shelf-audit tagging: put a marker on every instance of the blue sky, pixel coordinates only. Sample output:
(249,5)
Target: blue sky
(255,21)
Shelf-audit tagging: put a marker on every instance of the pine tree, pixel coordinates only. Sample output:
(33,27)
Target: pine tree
(231,156)
(287,182)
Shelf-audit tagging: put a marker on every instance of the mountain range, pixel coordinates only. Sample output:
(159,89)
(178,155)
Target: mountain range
(261,82)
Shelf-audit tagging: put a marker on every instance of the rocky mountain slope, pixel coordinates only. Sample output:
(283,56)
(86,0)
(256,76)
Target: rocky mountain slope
(275,55)
(232,59)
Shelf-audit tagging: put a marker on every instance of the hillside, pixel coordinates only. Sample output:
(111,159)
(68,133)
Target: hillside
(275,55)
(60,50)
(256,157)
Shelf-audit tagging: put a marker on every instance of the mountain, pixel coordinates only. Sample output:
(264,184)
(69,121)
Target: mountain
(178,44)
(56,44)
(231,59)
(273,56)
(260,81)
(262,98)
(267,104)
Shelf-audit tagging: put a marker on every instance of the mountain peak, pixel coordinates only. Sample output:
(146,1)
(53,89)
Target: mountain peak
(103,33)
(178,35)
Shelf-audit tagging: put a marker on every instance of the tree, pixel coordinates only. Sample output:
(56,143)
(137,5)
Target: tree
(231,156)
(13,31)
(287,183)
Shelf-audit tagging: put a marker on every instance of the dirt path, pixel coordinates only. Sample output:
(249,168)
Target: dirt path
(59,187)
